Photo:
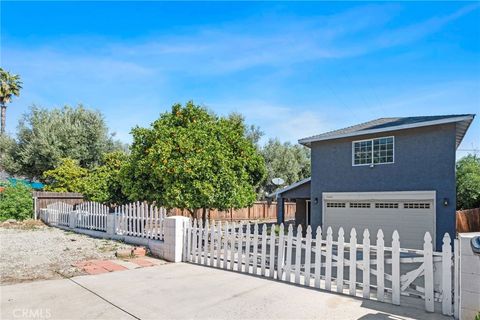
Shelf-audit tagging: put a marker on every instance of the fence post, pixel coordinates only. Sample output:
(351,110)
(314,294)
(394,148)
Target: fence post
(110,224)
(72,219)
(395,268)
(174,238)
(446,275)
(428,256)
(47,216)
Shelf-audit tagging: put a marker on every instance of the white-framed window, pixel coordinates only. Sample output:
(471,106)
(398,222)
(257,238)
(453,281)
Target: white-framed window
(373,151)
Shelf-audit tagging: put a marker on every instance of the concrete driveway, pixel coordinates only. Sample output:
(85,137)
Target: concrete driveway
(186,291)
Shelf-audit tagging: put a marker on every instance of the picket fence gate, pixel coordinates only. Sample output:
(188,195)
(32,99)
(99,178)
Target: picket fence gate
(140,220)
(353,268)
(59,213)
(92,215)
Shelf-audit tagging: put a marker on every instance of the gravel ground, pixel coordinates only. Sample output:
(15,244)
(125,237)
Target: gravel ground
(32,251)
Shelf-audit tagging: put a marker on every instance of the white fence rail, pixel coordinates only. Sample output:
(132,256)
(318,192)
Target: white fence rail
(356,268)
(140,220)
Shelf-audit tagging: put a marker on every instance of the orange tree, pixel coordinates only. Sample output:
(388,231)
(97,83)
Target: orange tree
(192,159)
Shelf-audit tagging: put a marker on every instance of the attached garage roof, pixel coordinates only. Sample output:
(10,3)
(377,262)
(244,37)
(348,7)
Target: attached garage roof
(290,187)
(390,124)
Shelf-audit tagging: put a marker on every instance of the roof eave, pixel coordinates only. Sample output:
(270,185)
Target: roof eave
(307,141)
(289,187)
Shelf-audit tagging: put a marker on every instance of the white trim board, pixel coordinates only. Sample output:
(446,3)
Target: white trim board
(380,195)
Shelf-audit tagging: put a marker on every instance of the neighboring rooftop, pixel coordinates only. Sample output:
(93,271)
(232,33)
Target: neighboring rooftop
(399,123)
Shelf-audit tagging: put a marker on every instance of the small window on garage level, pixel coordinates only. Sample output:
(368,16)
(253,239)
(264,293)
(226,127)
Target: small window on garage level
(359,205)
(416,205)
(335,204)
(386,205)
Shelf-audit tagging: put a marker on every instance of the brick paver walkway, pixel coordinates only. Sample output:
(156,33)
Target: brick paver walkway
(104,266)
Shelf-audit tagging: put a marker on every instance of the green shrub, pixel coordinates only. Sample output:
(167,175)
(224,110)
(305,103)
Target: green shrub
(16,202)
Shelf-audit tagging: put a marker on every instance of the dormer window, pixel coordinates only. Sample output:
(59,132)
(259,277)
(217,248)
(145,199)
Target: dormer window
(372,151)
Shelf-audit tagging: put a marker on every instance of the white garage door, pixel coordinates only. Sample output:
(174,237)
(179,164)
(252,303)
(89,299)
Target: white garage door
(410,213)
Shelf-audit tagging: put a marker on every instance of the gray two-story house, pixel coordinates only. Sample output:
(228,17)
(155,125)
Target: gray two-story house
(389,174)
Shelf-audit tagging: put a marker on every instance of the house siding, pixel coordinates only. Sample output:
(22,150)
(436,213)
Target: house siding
(301,191)
(424,160)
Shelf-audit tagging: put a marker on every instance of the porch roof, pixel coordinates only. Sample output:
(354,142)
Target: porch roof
(292,187)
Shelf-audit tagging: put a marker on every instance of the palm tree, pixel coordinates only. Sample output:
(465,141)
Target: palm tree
(10,86)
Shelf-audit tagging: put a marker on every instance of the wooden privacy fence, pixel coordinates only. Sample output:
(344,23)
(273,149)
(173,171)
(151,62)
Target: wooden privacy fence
(356,268)
(140,220)
(468,220)
(41,199)
(261,210)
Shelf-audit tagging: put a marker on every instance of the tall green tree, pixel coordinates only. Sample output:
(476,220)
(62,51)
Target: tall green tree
(7,151)
(45,136)
(284,160)
(103,183)
(252,132)
(468,182)
(68,176)
(10,86)
(192,159)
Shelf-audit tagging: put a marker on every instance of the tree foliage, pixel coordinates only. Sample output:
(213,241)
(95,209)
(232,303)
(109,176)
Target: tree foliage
(16,202)
(7,150)
(101,183)
(46,136)
(252,132)
(190,158)
(286,161)
(468,182)
(10,85)
(68,176)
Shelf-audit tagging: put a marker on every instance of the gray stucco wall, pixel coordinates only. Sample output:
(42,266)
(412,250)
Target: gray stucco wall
(301,209)
(302,191)
(424,160)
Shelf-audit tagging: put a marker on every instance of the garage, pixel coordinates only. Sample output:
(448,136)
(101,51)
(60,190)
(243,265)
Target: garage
(411,213)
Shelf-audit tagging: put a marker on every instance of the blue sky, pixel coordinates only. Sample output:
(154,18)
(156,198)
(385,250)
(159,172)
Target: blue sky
(294,69)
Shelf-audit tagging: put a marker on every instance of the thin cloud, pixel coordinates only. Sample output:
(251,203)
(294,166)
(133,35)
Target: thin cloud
(289,123)
(235,48)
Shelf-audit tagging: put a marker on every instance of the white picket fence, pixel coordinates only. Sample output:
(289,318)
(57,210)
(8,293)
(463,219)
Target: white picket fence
(140,220)
(354,268)
(134,219)
(92,215)
(59,213)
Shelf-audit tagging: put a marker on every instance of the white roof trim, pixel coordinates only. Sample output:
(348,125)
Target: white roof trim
(290,187)
(307,141)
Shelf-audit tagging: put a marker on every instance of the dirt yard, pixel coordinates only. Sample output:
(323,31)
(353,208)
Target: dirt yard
(32,251)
